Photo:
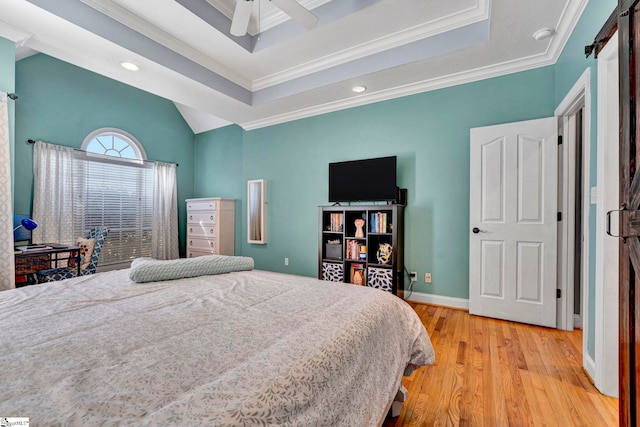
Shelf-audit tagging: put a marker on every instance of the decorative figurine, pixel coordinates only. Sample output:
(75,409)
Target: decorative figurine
(384,253)
(358,277)
(359,224)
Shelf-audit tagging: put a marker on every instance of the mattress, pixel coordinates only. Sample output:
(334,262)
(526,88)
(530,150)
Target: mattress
(243,348)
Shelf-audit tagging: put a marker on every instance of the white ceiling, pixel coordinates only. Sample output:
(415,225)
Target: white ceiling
(281,71)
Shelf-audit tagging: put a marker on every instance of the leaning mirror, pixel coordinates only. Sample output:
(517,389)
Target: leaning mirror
(256,211)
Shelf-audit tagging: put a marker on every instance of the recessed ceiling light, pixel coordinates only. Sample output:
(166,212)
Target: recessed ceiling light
(359,89)
(543,33)
(129,66)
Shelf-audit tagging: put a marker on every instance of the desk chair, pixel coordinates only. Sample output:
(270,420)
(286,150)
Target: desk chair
(54,274)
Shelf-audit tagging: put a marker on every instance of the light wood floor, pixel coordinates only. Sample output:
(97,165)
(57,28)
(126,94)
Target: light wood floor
(495,373)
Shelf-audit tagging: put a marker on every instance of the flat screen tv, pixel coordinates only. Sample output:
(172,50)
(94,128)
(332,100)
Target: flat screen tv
(365,180)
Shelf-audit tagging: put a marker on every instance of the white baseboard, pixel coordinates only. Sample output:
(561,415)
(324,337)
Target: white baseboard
(577,321)
(437,300)
(589,366)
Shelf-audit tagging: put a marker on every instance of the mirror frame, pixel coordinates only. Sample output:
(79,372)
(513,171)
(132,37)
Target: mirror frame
(257,211)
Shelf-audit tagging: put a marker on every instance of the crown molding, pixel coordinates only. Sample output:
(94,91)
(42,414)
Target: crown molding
(567,23)
(470,76)
(428,29)
(18,35)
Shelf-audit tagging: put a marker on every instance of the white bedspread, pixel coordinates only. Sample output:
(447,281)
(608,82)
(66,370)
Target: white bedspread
(245,348)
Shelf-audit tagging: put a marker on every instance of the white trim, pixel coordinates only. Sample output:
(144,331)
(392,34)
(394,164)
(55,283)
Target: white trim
(589,365)
(444,301)
(566,204)
(577,321)
(133,141)
(606,301)
(578,97)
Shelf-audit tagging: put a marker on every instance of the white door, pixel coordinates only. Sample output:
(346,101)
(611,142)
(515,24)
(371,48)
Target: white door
(513,221)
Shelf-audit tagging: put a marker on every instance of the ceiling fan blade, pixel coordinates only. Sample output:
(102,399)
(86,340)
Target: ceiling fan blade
(241,15)
(297,12)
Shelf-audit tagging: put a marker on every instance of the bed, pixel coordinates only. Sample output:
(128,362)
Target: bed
(241,348)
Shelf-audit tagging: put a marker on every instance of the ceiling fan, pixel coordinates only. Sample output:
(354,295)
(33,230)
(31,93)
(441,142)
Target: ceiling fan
(295,10)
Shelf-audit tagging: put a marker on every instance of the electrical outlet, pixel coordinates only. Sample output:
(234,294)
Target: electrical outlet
(413,277)
(286,261)
(427,277)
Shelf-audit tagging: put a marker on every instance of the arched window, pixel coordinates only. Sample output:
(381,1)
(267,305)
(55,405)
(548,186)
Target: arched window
(114,142)
(115,189)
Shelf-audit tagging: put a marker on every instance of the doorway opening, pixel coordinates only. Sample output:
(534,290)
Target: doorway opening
(578,221)
(574,114)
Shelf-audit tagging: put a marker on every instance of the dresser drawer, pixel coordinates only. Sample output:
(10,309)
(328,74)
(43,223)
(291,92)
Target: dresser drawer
(193,254)
(202,205)
(207,245)
(204,230)
(201,218)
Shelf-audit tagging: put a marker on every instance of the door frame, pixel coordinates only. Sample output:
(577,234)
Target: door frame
(606,299)
(579,96)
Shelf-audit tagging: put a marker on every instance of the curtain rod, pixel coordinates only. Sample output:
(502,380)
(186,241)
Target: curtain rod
(33,141)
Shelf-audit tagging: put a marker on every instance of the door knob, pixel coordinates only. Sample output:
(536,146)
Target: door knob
(475,230)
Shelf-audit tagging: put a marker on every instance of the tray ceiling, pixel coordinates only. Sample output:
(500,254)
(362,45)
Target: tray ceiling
(281,71)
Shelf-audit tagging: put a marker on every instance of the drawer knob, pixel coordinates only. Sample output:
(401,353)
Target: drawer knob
(211,217)
(211,231)
(190,216)
(191,230)
(191,242)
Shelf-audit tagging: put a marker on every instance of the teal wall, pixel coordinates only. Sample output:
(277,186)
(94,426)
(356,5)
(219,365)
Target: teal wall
(8,85)
(569,68)
(218,164)
(62,104)
(429,133)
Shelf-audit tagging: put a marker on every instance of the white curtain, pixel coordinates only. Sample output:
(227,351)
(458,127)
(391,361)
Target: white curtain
(7,266)
(164,236)
(53,193)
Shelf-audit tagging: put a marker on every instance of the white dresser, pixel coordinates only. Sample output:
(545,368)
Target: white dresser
(210,226)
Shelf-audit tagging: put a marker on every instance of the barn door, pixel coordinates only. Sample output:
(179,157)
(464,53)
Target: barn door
(629,57)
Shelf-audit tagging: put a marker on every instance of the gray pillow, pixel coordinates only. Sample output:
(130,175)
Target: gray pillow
(153,270)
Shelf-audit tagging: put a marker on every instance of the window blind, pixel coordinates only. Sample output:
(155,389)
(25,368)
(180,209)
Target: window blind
(116,194)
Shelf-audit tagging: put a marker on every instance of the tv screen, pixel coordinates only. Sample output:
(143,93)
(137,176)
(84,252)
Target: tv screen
(366,180)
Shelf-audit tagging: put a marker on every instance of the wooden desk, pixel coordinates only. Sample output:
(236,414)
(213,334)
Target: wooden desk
(29,262)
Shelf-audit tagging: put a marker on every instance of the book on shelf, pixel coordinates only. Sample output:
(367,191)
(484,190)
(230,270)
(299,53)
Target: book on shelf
(356,249)
(379,222)
(336,222)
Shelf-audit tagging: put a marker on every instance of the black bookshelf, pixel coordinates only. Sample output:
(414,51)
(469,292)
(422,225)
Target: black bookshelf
(344,255)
